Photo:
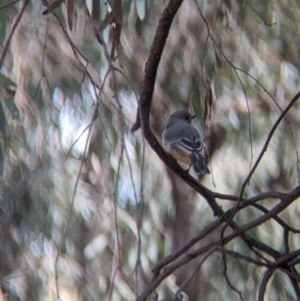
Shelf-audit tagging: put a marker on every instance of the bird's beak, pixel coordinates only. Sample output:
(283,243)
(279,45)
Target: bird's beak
(193,117)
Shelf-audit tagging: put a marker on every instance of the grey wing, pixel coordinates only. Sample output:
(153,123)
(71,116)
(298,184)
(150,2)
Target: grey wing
(184,139)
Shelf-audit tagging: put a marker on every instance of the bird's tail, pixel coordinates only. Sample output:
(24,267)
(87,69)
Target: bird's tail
(200,166)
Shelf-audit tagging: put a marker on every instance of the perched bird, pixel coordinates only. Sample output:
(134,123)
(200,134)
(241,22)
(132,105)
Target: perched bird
(182,141)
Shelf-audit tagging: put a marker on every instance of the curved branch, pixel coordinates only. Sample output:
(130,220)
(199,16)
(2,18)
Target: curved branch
(208,229)
(265,147)
(282,262)
(264,282)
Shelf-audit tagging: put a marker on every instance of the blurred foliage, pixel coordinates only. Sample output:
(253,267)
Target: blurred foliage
(57,66)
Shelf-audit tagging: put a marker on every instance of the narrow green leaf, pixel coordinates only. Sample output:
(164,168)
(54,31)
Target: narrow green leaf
(70,8)
(2,122)
(1,161)
(5,81)
(14,111)
(2,24)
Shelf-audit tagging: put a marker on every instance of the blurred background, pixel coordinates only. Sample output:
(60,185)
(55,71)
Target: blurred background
(129,210)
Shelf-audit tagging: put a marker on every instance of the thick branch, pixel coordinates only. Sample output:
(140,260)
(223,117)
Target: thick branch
(263,286)
(208,229)
(281,262)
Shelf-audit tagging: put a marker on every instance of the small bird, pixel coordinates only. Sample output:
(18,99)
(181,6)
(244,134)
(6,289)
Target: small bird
(182,141)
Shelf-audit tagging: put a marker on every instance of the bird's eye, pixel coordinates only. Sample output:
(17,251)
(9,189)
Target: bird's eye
(187,118)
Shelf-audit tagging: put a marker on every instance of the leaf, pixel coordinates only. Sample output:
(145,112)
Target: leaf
(116,46)
(218,56)
(14,111)
(219,62)
(70,9)
(2,25)
(115,32)
(7,87)
(117,10)
(108,19)
(114,17)
(96,11)
(1,161)
(6,82)
(208,102)
(120,54)
(141,9)
(2,122)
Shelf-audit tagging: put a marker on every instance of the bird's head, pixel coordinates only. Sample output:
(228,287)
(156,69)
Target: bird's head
(182,115)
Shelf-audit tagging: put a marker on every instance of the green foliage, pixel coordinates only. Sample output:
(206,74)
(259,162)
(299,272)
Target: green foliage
(2,25)
(1,162)
(13,109)
(2,123)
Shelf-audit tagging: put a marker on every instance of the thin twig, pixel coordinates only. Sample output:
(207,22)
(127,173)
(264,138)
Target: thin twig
(264,149)
(243,257)
(121,127)
(287,119)
(12,30)
(9,4)
(195,270)
(231,286)
(268,24)
(285,202)
(64,234)
(90,124)
(262,288)
(95,114)
(234,69)
(208,229)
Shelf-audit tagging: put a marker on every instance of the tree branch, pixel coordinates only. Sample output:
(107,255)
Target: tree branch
(144,112)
